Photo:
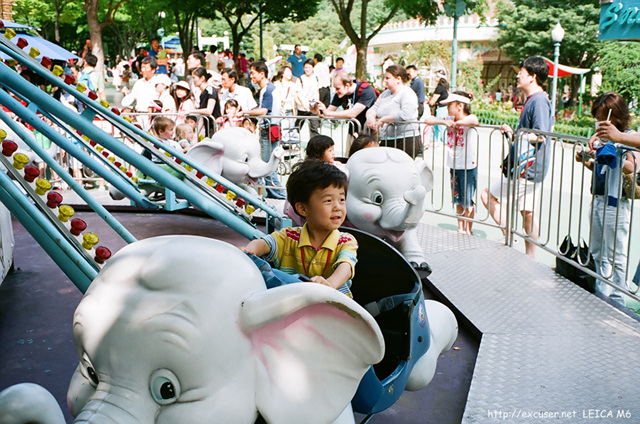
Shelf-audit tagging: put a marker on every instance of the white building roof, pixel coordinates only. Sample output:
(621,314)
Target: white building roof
(414,31)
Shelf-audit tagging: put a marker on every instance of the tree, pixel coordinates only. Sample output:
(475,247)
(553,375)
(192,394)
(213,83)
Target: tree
(47,14)
(372,15)
(185,15)
(527,25)
(619,62)
(91,8)
(241,15)
(137,22)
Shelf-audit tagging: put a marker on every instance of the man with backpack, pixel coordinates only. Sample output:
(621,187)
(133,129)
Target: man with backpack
(355,97)
(92,78)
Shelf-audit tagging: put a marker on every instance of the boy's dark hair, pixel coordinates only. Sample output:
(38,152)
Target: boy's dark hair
(537,67)
(151,61)
(212,49)
(91,60)
(260,67)
(310,175)
(340,59)
(411,67)
(309,62)
(318,57)
(467,106)
(361,142)
(318,144)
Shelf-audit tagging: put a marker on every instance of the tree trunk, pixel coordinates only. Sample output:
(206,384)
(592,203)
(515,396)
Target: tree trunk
(57,26)
(361,61)
(95,32)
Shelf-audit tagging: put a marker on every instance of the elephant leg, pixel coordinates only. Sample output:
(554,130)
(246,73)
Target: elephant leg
(410,248)
(443,328)
(29,403)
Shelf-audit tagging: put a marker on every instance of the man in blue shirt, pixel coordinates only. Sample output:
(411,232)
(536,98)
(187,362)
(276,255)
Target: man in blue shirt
(536,115)
(297,60)
(270,104)
(417,85)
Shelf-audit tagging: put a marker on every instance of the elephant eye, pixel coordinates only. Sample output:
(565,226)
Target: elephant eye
(376,198)
(165,387)
(91,371)
(245,158)
(92,375)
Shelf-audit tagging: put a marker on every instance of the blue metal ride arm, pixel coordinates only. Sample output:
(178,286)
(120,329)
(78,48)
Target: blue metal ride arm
(32,119)
(96,206)
(125,127)
(199,199)
(72,263)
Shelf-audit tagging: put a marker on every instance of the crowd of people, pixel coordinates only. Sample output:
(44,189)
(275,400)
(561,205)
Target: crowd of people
(217,91)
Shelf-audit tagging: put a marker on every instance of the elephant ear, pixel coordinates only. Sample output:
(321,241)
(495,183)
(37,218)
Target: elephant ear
(312,345)
(209,153)
(426,176)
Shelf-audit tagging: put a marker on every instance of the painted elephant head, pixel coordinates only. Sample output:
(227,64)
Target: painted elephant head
(235,154)
(386,191)
(182,329)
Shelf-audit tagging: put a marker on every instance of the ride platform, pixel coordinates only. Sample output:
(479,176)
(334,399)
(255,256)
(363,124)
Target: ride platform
(544,346)
(549,350)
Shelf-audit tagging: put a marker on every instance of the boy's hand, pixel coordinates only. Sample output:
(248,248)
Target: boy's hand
(321,280)
(245,250)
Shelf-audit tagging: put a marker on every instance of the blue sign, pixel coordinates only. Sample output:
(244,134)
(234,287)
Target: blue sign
(619,20)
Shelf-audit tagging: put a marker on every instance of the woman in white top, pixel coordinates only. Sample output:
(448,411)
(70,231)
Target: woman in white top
(392,113)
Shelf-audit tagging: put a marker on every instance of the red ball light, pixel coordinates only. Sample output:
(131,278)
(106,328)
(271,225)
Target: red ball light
(77,226)
(102,254)
(9,147)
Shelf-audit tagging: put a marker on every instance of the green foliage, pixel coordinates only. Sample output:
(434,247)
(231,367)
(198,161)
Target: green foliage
(527,26)
(470,74)
(619,63)
(426,54)
(241,16)
(41,14)
(498,114)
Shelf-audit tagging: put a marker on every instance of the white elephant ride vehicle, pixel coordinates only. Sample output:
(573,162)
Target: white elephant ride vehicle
(183,329)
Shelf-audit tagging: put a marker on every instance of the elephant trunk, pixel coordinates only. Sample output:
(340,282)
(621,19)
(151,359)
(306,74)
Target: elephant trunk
(111,407)
(404,214)
(259,168)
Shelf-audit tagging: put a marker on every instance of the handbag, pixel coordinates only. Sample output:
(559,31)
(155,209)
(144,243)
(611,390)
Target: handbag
(274,133)
(566,269)
(631,188)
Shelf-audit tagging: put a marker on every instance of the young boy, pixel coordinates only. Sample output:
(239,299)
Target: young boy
(317,191)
